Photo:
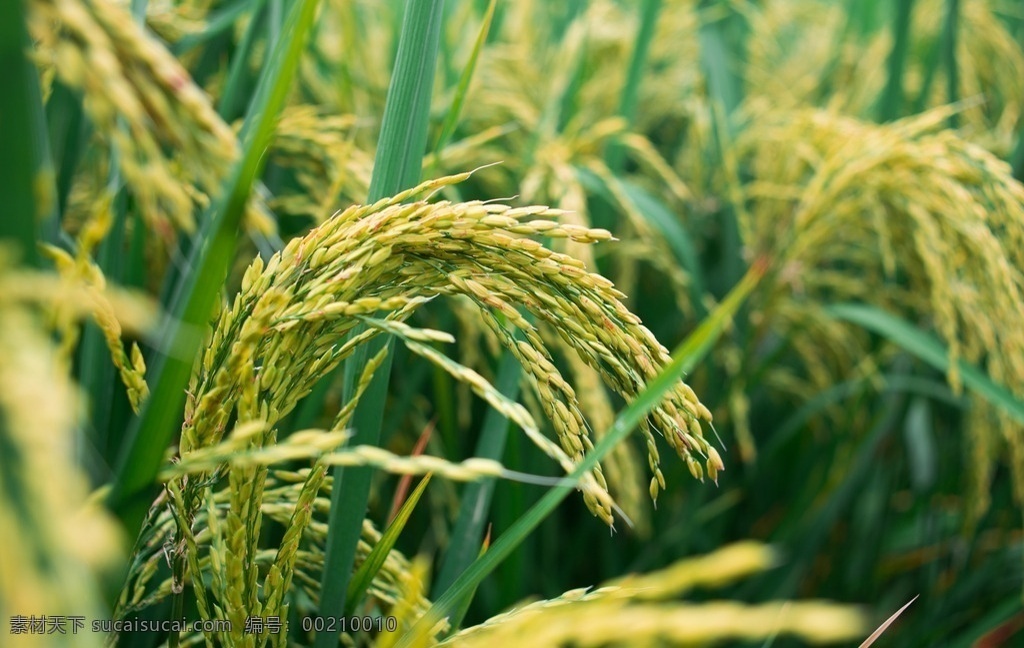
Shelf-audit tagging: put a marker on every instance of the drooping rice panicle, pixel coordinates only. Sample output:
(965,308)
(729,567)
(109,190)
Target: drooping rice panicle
(932,226)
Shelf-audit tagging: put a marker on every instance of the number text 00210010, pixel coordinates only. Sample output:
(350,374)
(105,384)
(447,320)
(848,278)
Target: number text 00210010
(350,624)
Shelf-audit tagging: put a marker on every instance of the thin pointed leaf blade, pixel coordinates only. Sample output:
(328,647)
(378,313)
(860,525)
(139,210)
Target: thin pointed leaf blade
(198,288)
(397,166)
(375,560)
(927,348)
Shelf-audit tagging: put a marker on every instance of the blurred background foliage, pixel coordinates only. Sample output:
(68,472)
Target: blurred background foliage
(868,395)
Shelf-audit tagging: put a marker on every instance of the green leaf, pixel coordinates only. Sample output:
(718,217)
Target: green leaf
(200,284)
(949,45)
(461,607)
(397,166)
(789,427)
(231,101)
(719,64)
(925,347)
(452,118)
(684,358)
(403,133)
(919,435)
(364,576)
(892,96)
(649,11)
(26,178)
(467,535)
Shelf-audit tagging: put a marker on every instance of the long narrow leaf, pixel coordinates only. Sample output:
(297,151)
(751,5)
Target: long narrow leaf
(718,63)
(25,183)
(375,560)
(397,166)
(949,45)
(930,350)
(452,118)
(231,100)
(464,545)
(661,218)
(151,433)
(461,607)
(892,97)
(649,11)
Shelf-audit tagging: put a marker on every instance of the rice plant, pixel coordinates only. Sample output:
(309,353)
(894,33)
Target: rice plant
(418,323)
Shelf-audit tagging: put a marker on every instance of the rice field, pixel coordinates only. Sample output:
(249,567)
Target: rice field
(417,323)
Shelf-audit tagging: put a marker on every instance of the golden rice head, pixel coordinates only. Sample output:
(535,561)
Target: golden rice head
(389,257)
(65,540)
(557,91)
(641,611)
(321,151)
(990,71)
(142,103)
(298,500)
(289,327)
(79,273)
(803,53)
(904,216)
(790,47)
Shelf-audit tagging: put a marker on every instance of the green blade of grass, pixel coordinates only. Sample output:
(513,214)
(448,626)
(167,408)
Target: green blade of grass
(25,175)
(863,17)
(949,45)
(152,431)
(403,133)
(461,607)
(789,427)
(275,18)
(814,520)
(451,120)
(561,96)
(892,97)
(649,11)
(231,102)
(397,166)
(645,35)
(464,545)
(1017,157)
(722,57)
(719,65)
(684,358)
(375,560)
(942,52)
(931,351)
(68,133)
